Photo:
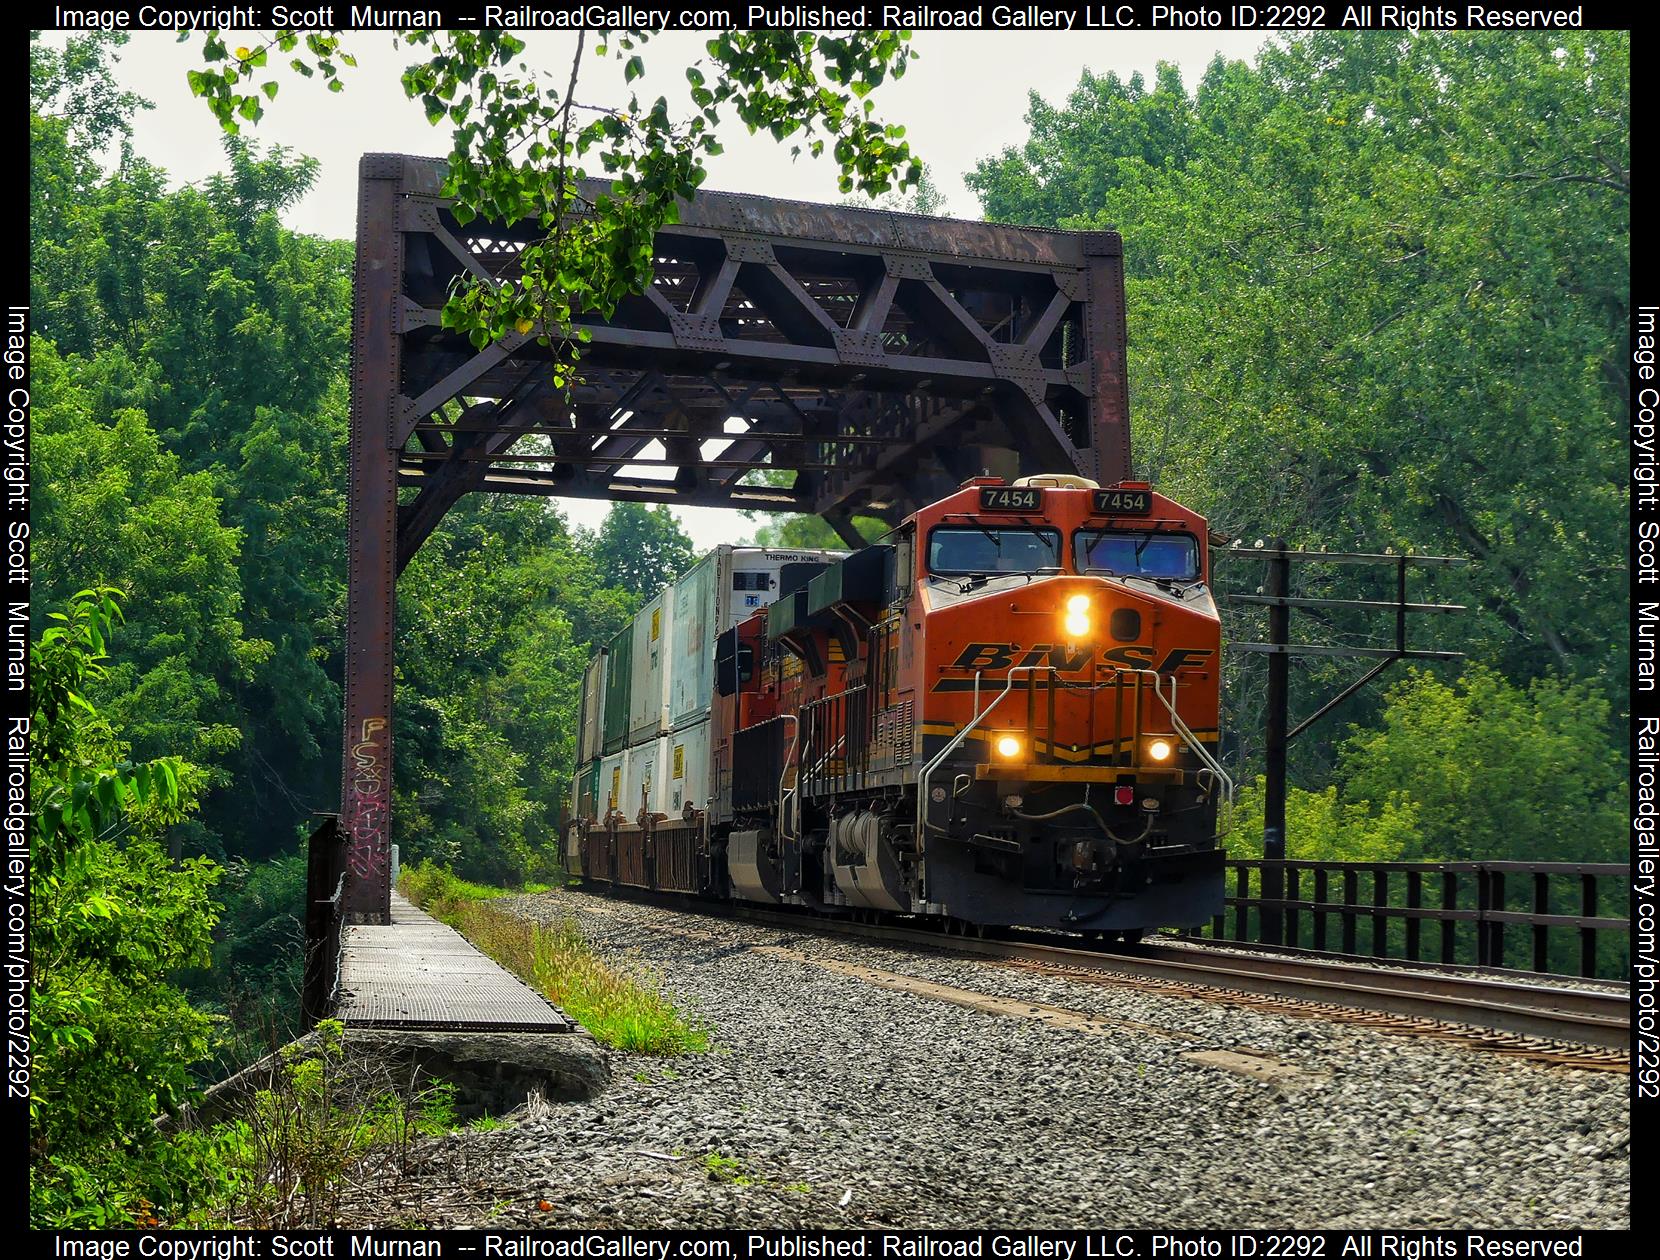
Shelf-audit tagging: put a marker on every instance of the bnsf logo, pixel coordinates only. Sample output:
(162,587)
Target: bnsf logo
(999,657)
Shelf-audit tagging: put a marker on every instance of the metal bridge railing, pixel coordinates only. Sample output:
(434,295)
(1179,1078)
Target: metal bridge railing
(325,879)
(1444,912)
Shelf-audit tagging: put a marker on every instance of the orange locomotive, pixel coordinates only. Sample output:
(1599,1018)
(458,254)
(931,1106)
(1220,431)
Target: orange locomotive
(1007,714)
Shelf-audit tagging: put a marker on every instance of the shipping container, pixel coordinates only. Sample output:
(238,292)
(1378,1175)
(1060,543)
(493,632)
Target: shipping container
(725,587)
(645,778)
(648,697)
(693,599)
(689,770)
(657,674)
(611,789)
(586,801)
(590,735)
(619,658)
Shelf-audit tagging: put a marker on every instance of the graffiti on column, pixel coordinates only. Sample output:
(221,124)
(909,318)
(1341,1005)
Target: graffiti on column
(369,851)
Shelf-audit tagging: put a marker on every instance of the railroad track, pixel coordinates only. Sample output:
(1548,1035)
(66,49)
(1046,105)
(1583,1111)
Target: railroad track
(1583,1027)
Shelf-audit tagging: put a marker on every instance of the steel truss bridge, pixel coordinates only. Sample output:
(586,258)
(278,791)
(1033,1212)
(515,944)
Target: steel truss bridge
(787,357)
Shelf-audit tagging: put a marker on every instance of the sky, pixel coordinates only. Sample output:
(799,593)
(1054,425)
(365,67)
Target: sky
(963,98)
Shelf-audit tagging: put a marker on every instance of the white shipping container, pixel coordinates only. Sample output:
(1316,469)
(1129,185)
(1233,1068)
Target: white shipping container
(689,769)
(691,683)
(648,696)
(725,587)
(612,771)
(646,778)
(591,730)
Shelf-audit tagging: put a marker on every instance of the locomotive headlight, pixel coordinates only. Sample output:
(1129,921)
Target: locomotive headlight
(1008,746)
(1077,616)
(1160,749)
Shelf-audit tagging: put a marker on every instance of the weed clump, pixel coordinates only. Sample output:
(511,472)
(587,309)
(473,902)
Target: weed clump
(624,1011)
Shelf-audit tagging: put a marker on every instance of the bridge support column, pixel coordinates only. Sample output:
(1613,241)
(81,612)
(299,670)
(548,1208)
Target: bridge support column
(371,546)
(1109,404)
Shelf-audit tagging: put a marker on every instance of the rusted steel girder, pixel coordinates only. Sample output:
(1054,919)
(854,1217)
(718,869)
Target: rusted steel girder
(881,358)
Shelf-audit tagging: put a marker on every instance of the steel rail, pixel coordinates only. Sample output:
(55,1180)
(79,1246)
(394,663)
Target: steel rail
(1581,1016)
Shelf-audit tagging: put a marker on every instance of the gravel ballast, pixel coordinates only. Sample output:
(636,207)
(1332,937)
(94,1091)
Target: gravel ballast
(834,1098)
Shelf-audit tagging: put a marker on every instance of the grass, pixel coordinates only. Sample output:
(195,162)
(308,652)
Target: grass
(439,891)
(726,1168)
(623,1011)
(730,1170)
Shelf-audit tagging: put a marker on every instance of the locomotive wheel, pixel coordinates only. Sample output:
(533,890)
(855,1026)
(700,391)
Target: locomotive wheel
(1132,936)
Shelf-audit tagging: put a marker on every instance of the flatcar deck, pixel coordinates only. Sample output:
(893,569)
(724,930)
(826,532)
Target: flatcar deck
(417,973)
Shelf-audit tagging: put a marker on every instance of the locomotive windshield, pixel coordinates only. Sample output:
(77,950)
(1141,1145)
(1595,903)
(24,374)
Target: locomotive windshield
(971,549)
(1137,554)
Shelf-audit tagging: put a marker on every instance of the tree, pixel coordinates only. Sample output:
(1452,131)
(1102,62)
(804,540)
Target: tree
(924,197)
(1476,768)
(1531,773)
(803,531)
(1378,293)
(1322,826)
(811,533)
(497,614)
(520,152)
(74,111)
(110,921)
(112,506)
(227,333)
(642,549)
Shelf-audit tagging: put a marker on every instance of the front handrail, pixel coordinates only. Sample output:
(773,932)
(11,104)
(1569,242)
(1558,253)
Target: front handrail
(1182,729)
(923,825)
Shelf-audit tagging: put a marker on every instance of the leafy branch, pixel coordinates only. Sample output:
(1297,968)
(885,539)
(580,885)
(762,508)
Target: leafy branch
(518,155)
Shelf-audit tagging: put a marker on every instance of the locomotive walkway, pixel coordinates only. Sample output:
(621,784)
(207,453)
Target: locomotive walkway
(415,973)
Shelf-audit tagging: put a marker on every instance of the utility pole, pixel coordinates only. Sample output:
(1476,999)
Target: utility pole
(1279,649)
(1278,719)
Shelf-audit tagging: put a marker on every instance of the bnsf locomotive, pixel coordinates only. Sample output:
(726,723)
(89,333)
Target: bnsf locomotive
(1005,714)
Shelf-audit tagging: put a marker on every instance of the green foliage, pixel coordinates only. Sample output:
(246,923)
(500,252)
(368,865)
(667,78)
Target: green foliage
(1378,288)
(811,533)
(74,111)
(190,390)
(258,960)
(1320,826)
(73,86)
(111,921)
(113,506)
(1529,773)
(189,379)
(497,614)
(924,197)
(440,891)
(641,549)
(1477,768)
(325,1120)
(805,531)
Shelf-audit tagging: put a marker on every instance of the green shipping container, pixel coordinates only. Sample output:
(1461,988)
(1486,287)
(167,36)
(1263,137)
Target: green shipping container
(619,667)
(587,791)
